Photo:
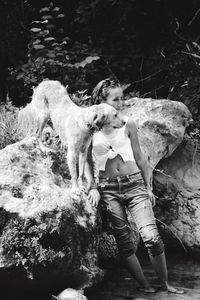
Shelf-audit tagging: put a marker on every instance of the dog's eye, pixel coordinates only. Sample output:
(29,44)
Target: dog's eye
(115,115)
(95,117)
(116,99)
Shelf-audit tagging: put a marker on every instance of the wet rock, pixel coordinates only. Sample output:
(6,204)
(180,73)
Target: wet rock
(178,190)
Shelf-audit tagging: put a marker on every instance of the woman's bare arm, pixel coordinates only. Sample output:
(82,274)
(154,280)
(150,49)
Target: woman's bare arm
(93,194)
(139,157)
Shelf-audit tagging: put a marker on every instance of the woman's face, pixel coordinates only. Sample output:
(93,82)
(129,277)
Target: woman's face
(114,97)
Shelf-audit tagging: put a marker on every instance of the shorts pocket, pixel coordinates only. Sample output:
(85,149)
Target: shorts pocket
(136,179)
(102,185)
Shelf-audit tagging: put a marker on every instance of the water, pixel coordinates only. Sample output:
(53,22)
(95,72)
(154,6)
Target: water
(184,273)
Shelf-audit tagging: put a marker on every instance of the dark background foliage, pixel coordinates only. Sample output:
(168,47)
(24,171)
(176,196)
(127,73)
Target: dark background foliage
(152,45)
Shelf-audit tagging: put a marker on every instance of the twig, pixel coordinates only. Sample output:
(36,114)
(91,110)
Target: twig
(166,226)
(191,54)
(176,31)
(145,94)
(193,18)
(158,170)
(162,172)
(146,78)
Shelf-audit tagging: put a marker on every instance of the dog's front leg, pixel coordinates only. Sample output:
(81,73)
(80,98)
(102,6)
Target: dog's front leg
(82,161)
(41,123)
(72,158)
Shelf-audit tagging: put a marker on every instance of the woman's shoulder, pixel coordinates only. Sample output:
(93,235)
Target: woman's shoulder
(131,127)
(130,123)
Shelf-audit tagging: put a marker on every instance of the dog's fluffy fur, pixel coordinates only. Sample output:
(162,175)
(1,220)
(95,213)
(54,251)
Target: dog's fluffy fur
(74,125)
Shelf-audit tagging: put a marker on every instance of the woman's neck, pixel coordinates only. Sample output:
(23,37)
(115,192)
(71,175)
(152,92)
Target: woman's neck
(108,130)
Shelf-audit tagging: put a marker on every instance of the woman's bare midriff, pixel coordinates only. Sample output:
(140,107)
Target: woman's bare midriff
(117,167)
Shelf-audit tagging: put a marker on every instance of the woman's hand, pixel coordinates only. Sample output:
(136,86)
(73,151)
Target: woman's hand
(94,197)
(151,196)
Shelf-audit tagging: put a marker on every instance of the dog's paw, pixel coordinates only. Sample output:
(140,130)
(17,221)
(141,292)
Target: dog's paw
(45,151)
(82,187)
(76,192)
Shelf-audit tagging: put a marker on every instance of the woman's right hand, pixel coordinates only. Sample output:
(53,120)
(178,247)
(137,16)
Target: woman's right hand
(151,196)
(94,197)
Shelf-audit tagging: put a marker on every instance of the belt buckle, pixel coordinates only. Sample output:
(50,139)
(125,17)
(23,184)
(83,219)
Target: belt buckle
(119,179)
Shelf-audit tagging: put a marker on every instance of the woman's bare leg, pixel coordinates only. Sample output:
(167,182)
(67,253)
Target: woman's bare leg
(160,266)
(135,269)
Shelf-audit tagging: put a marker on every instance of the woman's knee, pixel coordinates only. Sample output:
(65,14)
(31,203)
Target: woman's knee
(126,243)
(152,240)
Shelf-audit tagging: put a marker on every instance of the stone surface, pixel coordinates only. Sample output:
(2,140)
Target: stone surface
(161,125)
(178,189)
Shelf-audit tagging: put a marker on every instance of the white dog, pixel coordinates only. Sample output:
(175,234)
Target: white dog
(74,125)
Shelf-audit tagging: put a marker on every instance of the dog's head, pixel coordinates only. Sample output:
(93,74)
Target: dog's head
(105,114)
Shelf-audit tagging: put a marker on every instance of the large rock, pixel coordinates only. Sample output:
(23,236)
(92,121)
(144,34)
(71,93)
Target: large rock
(43,231)
(161,125)
(177,184)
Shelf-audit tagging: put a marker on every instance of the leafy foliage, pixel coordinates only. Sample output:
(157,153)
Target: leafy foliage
(51,54)
(9,131)
(141,42)
(25,245)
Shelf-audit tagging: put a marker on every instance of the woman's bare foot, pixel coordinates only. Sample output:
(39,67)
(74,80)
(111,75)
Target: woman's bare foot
(171,289)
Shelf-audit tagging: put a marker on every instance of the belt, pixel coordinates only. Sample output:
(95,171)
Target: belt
(122,178)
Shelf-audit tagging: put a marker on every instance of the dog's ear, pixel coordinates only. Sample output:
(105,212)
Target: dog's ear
(99,120)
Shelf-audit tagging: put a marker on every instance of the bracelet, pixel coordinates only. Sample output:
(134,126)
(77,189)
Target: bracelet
(93,186)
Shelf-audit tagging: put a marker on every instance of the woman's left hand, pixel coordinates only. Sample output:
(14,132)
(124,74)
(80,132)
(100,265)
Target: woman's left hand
(94,197)
(151,196)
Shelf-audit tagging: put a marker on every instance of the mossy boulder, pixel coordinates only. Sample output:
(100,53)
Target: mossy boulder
(44,232)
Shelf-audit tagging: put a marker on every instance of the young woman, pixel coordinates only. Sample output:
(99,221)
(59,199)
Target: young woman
(125,181)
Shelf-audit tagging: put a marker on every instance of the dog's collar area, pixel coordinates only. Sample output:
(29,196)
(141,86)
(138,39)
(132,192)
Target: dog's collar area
(91,128)
(83,125)
(95,127)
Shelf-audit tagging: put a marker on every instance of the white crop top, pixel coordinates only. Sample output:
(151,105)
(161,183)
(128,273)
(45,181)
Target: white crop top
(109,146)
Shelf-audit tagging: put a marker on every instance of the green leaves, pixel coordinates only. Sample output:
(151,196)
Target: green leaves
(38,47)
(49,39)
(51,53)
(87,60)
(46,17)
(60,16)
(35,29)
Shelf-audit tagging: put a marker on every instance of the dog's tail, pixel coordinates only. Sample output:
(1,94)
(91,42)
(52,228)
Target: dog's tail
(33,117)
(32,120)
(28,122)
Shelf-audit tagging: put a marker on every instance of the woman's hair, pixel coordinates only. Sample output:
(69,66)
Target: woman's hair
(101,90)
